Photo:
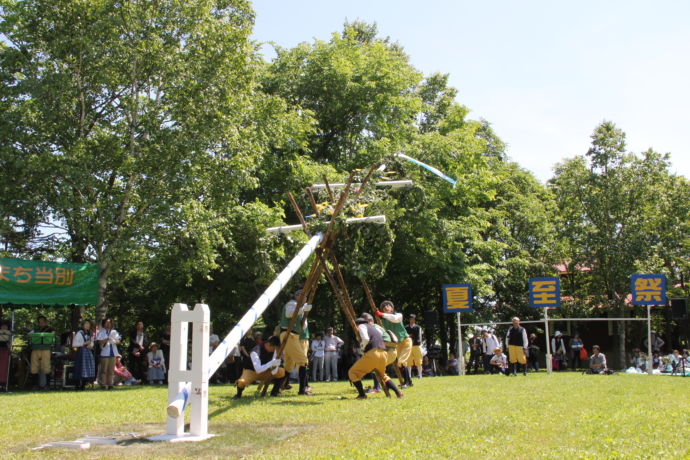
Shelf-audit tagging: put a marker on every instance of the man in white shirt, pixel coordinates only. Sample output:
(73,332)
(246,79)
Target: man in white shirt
(331,344)
(264,365)
(489,344)
(318,347)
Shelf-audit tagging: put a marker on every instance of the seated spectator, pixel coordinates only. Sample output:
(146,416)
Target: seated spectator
(122,374)
(639,360)
(156,370)
(499,362)
(453,363)
(597,362)
(427,369)
(678,362)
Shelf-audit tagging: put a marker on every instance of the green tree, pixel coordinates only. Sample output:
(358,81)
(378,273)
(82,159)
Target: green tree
(128,117)
(607,202)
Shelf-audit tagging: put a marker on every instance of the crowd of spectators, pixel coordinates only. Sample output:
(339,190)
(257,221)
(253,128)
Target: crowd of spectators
(100,355)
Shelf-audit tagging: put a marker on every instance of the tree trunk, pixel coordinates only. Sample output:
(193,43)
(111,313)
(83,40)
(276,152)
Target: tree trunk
(623,309)
(102,307)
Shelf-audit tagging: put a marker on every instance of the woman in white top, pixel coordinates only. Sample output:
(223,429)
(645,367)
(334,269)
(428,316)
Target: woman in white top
(84,364)
(318,348)
(108,338)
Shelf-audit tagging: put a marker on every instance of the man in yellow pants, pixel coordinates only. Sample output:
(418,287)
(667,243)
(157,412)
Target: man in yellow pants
(374,357)
(516,338)
(295,353)
(264,366)
(393,322)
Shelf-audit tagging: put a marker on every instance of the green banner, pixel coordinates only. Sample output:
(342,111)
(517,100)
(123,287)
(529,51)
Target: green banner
(50,283)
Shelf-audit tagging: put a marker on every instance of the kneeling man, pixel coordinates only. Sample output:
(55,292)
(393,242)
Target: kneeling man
(263,366)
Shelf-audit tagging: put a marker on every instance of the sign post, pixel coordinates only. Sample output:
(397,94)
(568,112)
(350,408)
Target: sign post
(648,290)
(545,293)
(457,298)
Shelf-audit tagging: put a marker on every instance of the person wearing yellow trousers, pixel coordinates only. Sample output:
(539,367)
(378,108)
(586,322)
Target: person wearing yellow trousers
(294,353)
(516,338)
(393,322)
(263,365)
(415,332)
(41,345)
(391,354)
(374,357)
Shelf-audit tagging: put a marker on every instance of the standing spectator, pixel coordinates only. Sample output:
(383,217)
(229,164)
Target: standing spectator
(559,352)
(138,343)
(331,343)
(576,347)
(318,349)
(165,345)
(657,343)
(156,363)
(597,362)
(415,332)
(5,350)
(475,353)
(453,363)
(516,338)
(533,356)
(42,340)
(84,363)
(108,338)
(489,344)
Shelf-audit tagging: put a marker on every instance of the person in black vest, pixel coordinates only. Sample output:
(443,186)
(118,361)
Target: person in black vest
(415,333)
(263,365)
(138,346)
(374,358)
(475,343)
(517,346)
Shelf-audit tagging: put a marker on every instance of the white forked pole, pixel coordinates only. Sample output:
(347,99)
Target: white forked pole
(351,220)
(383,183)
(179,398)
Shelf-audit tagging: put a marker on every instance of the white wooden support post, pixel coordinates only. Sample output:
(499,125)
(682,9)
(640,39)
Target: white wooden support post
(461,351)
(188,383)
(650,361)
(549,364)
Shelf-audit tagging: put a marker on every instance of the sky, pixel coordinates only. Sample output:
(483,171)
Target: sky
(543,73)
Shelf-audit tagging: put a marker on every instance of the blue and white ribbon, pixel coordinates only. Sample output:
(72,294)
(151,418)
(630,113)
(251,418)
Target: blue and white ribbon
(428,168)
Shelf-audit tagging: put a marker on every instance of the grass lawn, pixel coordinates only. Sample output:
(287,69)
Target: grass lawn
(566,415)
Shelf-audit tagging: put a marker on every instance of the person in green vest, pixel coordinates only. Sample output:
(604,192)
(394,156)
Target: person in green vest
(393,322)
(305,340)
(391,354)
(41,339)
(294,353)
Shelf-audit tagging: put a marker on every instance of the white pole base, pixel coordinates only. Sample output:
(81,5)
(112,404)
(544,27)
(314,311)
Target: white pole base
(186,437)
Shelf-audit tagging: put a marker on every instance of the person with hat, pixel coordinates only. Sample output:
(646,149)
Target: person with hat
(374,357)
(294,353)
(331,345)
(156,363)
(415,332)
(475,343)
(264,366)
(516,338)
(393,322)
(559,351)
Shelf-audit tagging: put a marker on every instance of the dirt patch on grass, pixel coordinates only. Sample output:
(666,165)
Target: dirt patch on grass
(231,440)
